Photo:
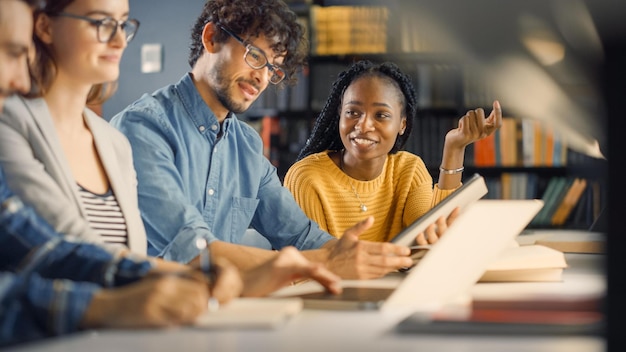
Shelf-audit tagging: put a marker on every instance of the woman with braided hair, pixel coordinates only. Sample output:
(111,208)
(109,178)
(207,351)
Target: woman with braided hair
(353,165)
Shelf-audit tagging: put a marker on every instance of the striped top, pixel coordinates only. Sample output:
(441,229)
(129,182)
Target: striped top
(402,193)
(104,216)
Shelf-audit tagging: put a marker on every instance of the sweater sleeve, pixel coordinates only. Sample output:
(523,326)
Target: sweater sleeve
(420,197)
(441,194)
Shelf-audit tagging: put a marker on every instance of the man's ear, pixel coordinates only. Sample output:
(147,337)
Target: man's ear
(43,28)
(208,35)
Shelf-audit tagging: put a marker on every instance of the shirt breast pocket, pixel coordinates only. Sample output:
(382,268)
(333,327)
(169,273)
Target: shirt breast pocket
(243,210)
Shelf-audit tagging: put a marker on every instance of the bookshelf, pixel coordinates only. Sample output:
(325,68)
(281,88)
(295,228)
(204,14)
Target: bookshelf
(521,160)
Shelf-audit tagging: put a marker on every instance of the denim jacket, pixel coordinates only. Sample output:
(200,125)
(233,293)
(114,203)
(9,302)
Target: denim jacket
(194,182)
(47,280)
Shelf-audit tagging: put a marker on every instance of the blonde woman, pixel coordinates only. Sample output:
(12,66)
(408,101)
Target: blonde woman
(59,156)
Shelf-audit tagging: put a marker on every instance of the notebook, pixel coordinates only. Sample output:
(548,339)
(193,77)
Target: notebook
(251,313)
(447,271)
(472,189)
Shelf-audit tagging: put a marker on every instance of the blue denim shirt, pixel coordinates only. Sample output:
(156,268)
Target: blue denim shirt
(46,279)
(192,182)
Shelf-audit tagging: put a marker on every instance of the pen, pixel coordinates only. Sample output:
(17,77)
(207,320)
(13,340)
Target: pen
(210,271)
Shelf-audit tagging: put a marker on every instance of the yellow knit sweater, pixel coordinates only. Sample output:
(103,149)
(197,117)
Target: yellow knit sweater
(399,195)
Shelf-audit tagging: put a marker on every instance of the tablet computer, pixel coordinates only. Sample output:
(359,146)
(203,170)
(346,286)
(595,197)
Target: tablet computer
(472,190)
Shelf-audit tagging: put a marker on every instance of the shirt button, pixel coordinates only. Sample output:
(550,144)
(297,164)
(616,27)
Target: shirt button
(11,205)
(211,192)
(201,128)
(214,127)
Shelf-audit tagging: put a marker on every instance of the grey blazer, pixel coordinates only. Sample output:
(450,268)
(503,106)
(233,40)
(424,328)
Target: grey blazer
(38,171)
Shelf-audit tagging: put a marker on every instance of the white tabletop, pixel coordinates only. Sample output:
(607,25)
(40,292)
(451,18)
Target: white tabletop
(314,330)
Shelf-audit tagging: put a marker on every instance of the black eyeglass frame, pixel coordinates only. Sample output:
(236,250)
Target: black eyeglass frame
(273,68)
(99,23)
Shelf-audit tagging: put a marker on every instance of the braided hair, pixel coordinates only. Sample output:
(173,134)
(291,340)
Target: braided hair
(325,135)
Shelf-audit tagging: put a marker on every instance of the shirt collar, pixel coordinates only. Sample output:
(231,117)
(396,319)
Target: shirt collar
(197,110)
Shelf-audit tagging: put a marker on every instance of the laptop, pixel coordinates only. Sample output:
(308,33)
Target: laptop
(447,271)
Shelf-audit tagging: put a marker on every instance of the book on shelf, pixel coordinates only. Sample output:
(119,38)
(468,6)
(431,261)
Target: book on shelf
(528,143)
(430,130)
(539,146)
(485,151)
(531,186)
(564,183)
(322,76)
(519,142)
(548,148)
(589,207)
(513,185)
(497,142)
(559,157)
(508,142)
(569,201)
(551,197)
(270,135)
(582,214)
(506,184)
(520,181)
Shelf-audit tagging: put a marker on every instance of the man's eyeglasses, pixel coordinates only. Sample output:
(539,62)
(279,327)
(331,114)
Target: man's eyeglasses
(256,58)
(107,27)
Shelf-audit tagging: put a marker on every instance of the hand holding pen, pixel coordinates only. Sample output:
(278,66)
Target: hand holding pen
(209,270)
(223,278)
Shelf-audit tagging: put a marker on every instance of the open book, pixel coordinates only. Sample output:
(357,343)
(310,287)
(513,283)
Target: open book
(516,263)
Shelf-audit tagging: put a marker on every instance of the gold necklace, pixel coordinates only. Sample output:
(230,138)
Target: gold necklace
(362,205)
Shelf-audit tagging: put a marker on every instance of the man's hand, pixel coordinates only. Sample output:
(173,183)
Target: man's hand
(288,266)
(155,301)
(228,281)
(351,258)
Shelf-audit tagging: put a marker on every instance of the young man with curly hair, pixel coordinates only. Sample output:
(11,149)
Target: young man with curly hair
(201,171)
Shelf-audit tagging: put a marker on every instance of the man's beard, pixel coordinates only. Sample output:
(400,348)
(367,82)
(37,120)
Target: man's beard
(224,98)
(223,95)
